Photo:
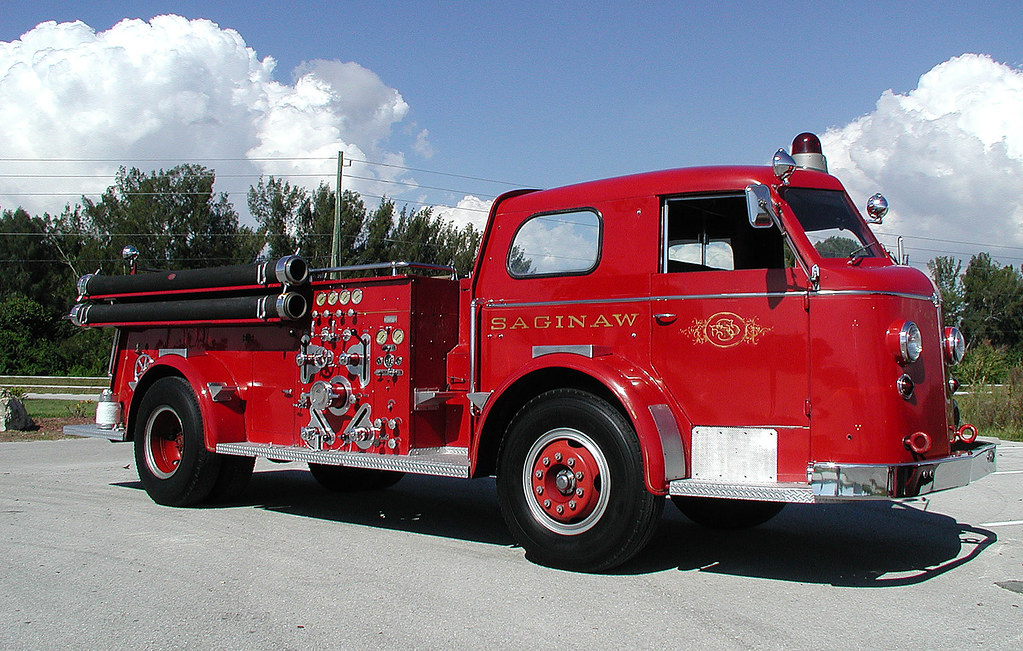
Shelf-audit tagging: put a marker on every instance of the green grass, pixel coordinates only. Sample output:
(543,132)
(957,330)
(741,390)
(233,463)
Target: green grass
(60,408)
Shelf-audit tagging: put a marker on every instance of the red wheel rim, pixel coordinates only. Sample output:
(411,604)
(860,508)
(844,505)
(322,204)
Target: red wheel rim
(164,442)
(567,481)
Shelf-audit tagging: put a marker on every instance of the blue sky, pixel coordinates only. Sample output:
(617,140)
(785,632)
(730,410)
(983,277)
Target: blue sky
(551,93)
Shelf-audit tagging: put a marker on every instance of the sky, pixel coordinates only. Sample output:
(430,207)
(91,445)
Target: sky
(448,104)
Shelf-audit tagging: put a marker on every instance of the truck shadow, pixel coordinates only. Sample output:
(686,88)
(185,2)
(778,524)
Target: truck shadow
(867,544)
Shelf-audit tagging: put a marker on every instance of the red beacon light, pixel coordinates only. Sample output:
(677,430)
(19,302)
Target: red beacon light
(806,151)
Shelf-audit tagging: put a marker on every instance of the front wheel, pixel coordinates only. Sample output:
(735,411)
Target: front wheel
(570,483)
(174,465)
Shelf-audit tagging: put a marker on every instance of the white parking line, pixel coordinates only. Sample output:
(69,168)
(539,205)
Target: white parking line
(1007,523)
(1008,472)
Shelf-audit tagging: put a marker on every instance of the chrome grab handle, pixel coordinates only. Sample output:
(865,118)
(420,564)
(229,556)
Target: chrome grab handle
(665,317)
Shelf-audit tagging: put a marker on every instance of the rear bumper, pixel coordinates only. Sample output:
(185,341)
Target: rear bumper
(831,482)
(837,481)
(94,431)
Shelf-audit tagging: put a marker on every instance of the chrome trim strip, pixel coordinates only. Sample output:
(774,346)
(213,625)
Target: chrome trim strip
(837,481)
(869,292)
(585,350)
(689,297)
(442,462)
(671,442)
(473,345)
(95,431)
(650,299)
(798,493)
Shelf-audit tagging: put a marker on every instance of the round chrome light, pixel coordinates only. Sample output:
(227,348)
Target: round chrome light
(955,346)
(910,342)
(905,386)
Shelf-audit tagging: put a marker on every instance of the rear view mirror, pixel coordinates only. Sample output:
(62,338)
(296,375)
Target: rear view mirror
(759,206)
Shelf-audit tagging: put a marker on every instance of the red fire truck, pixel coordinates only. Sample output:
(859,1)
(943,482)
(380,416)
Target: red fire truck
(691,333)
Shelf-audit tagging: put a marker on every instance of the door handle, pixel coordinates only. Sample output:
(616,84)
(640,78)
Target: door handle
(665,318)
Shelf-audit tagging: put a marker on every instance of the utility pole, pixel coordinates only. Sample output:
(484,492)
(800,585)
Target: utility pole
(335,242)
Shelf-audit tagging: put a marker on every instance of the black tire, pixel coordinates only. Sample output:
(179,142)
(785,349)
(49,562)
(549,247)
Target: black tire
(347,480)
(717,513)
(591,468)
(173,463)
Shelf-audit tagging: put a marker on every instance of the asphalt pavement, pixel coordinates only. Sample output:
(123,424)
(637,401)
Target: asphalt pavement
(87,560)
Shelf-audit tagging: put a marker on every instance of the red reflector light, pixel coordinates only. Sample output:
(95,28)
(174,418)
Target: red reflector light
(806,143)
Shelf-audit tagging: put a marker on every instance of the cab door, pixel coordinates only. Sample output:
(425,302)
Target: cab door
(730,339)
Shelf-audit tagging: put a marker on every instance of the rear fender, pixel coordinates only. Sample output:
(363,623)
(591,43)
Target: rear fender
(222,408)
(659,424)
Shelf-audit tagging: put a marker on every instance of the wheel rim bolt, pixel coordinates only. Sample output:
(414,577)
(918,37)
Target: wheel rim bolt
(539,474)
(546,461)
(578,492)
(561,509)
(570,462)
(579,475)
(546,504)
(571,505)
(557,456)
(539,490)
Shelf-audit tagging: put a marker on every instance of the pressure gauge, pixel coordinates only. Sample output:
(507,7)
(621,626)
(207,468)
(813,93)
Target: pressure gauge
(381,337)
(398,335)
(321,298)
(345,296)
(356,296)
(332,298)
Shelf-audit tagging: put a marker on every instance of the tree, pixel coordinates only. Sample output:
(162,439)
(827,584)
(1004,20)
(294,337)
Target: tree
(993,297)
(947,274)
(283,213)
(31,263)
(837,247)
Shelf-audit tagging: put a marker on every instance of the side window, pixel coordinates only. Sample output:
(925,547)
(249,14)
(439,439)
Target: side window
(552,244)
(712,233)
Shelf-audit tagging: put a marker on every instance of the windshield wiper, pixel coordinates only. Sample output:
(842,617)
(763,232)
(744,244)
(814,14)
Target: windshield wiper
(859,253)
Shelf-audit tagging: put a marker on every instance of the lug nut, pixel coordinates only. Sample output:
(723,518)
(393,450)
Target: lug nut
(546,461)
(578,492)
(570,462)
(571,505)
(539,490)
(579,475)
(557,456)
(539,474)
(546,504)
(560,509)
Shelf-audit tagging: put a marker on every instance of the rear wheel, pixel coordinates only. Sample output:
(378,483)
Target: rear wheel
(570,483)
(173,463)
(719,513)
(345,480)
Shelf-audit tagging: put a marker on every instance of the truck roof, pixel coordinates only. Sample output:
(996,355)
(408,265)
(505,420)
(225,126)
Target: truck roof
(659,183)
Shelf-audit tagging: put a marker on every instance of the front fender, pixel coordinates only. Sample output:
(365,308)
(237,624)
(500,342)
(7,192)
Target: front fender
(658,422)
(224,418)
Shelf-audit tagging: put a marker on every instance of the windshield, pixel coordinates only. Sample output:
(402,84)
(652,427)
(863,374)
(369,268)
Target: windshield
(832,224)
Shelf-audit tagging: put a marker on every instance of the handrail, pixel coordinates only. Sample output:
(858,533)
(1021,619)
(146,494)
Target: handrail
(393,266)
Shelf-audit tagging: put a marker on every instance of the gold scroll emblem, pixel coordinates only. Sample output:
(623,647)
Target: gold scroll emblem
(726,329)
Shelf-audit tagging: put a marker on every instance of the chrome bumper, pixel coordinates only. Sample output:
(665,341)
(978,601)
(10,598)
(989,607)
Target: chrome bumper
(837,481)
(854,481)
(94,431)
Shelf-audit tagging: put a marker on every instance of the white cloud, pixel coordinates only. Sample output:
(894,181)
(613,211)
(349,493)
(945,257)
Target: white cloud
(948,155)
(469,210)
(185,90)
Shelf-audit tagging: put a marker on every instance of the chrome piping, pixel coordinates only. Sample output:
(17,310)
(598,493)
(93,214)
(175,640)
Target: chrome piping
(473,345)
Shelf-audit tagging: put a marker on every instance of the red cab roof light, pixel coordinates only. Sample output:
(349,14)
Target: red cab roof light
(806,151)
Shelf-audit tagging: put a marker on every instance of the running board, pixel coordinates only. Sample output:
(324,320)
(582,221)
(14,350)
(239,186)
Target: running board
(800,493)
(443,462)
